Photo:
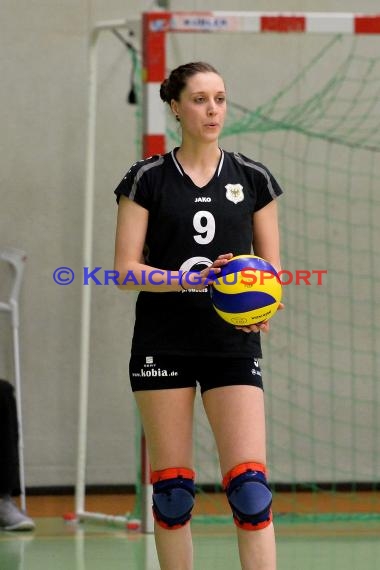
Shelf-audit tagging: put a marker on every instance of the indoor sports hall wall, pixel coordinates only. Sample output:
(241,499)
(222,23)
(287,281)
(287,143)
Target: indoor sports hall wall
(43,106)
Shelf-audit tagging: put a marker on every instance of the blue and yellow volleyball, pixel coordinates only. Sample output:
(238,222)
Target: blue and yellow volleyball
(246,291)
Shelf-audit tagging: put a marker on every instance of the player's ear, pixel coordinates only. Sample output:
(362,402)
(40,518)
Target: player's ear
(174,107)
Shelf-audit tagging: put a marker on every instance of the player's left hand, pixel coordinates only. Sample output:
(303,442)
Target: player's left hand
(259,327)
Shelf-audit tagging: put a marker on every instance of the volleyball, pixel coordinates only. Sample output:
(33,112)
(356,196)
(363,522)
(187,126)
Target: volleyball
(246,291)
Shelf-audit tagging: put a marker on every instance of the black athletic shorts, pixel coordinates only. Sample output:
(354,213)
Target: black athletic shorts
(170,371)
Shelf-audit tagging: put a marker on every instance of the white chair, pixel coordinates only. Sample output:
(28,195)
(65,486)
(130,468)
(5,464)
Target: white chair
(16,259)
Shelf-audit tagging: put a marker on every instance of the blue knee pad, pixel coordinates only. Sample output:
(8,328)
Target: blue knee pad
(249,496)
(173,496)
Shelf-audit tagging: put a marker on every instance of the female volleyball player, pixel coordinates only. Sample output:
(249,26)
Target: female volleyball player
(191,210)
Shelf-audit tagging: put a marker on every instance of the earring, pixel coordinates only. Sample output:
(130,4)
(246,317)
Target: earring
(177,118)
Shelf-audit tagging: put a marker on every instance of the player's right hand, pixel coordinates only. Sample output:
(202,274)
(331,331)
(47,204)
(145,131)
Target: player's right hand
(201,279)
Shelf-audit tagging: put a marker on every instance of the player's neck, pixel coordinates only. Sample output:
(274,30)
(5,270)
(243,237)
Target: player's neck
(198,156)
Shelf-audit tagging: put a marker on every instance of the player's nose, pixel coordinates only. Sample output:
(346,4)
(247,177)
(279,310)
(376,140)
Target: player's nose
(211,109)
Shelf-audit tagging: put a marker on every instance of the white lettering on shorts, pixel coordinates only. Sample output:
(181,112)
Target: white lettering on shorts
(150,370)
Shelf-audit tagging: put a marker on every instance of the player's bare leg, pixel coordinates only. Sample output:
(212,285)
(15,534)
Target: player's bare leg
(236,415)
(167,418)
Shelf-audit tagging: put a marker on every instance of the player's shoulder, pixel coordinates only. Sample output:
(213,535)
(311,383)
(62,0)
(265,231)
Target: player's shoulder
(140,167)
(247,162)
(258,173)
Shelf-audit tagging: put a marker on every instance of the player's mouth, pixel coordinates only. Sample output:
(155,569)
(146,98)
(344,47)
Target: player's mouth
(212,125)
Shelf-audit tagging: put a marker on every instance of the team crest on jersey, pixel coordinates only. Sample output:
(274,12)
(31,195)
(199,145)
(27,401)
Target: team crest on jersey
(234,193)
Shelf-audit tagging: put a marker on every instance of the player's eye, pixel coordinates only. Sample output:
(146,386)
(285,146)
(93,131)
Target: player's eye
(199,99)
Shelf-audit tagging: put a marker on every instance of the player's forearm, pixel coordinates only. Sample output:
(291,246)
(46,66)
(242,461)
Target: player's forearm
(141,277)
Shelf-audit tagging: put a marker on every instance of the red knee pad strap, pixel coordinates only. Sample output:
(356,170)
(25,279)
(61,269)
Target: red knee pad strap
(242,468)
(259,526)
(172,473)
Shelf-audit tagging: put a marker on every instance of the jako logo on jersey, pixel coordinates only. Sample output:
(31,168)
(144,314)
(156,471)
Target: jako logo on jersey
(234,193)
(202,200)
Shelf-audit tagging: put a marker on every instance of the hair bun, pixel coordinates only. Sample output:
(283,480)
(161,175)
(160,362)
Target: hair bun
(164,91)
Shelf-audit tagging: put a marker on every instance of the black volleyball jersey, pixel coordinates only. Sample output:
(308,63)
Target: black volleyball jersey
(188,228)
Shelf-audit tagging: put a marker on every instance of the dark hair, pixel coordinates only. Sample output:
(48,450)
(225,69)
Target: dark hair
(172,86)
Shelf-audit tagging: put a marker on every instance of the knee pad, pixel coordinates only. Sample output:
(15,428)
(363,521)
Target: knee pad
(173,496)
(249,495)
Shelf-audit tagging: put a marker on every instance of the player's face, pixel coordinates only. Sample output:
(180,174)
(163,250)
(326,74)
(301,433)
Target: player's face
(202,107)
